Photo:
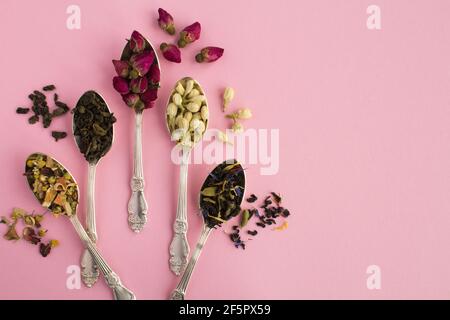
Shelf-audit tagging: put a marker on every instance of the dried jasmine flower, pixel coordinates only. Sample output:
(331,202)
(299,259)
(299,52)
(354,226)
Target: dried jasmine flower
(252,198)
(21,110)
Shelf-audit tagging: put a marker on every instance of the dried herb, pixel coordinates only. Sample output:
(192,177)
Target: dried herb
(52,185)
(40,107)
(93,125)
(59,135)
(272,209)
(21,110)
(222,193)
(50,87)
(32,232)
(252,198)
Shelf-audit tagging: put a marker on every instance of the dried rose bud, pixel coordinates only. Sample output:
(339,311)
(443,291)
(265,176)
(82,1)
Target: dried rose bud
(149,97)
(154,74)
(139,85)
(142,62)
(170,52)
(165,21)
(209,54)
(121,85)
(189,34)
(122,68)
(131,99)
(137,42)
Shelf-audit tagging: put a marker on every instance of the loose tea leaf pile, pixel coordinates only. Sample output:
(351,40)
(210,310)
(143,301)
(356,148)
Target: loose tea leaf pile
(41,109)
(93,126)
(222,193)
(33,232)
(52,185)
(272,211)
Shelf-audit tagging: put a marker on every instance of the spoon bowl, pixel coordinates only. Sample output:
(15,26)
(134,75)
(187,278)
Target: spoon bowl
(212,218)
(56,189)
(90,114)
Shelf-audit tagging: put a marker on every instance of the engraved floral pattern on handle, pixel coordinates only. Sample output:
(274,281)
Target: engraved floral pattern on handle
(137,205)
(120,292)
(179,247)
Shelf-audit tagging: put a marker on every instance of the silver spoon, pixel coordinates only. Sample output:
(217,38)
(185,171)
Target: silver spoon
(112,279)
(179,246)
(137,205)
(180,290)
(89,270)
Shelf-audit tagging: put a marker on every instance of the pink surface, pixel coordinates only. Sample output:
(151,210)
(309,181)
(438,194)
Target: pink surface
(364,145)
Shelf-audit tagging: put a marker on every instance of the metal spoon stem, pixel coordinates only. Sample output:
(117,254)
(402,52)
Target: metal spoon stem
(137,205)
(180,290)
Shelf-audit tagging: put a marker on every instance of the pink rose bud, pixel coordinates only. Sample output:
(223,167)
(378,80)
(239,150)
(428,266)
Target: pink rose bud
(189,34)
(171,52)
(165,21)
(141,62)
(122,68)
(139,85)
(209,54)
(121,85)
(149,96)
(154,74)
(131,99)
(137,42)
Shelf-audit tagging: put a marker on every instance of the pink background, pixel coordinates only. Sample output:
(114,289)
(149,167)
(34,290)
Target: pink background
(364,145)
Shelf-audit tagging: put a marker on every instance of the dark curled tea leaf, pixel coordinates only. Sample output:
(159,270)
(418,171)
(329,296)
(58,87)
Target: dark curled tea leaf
(285,213)
(50,87)
(260,224)
(252,233)
(234,237)
(59,135)
(21,110)
(252,198)
(276,197)
(47,120)
(30,235)
(33,119)
(93,126)
(55,97)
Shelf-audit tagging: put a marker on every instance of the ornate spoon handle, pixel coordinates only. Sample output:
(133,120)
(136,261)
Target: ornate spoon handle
(137,206)
(89,269)
(112,279)
(180,290)
(179,247)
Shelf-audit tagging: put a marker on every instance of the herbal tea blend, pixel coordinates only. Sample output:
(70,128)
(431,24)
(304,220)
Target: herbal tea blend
(33,232)
(93,126)
(222,193)
(272,212)
(52,185)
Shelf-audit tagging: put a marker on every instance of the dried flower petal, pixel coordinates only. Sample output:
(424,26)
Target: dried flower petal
(139,85)
(209,54)
(165,21)
(154,74)
(29,235)
(122,68)
(137,42)
(149,97)
(45,249)
(131,99)
(189,34)
(121,85)
(223,137)
(54,243)
(237,127)
(142,62)
(11,234)
(170,52)
(42,232)
(281,227)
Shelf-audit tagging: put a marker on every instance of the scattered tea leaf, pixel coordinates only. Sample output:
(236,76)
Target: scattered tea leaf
(59,135)
(45,249)
(49,87)
(21,110)
(252,198)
